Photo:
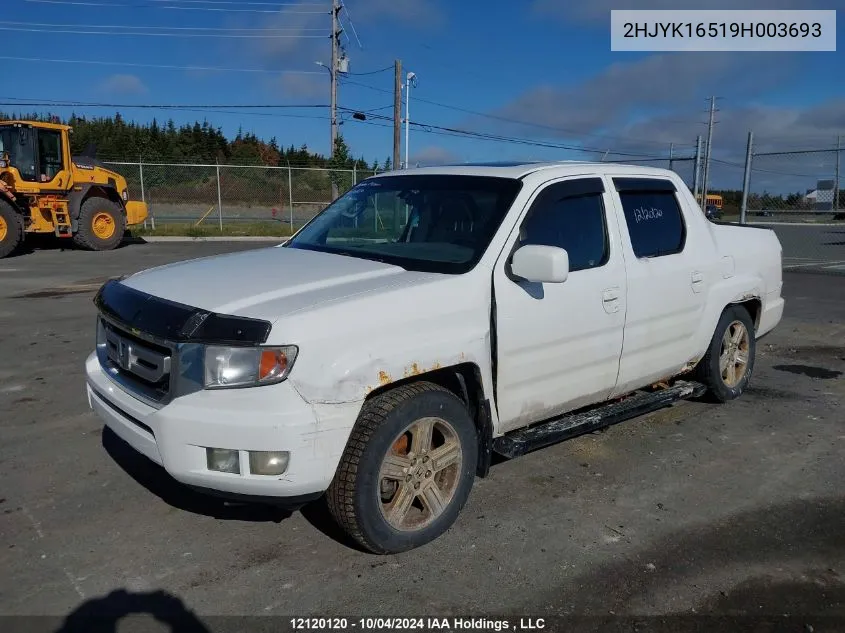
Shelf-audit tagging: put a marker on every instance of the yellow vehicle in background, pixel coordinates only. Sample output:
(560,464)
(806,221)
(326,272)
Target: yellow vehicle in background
(43,189)
(713,200)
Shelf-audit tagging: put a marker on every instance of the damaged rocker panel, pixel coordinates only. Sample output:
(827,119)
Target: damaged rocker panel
(571,425)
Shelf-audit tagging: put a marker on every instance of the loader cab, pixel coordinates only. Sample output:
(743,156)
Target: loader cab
(38,154)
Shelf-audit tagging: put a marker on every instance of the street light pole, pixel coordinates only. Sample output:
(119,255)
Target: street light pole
(411,77)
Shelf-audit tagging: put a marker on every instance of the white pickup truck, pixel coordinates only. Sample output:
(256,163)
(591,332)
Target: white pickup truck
(422,322)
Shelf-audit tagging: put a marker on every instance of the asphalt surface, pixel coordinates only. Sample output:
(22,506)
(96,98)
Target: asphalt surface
(698,509)
(818,248)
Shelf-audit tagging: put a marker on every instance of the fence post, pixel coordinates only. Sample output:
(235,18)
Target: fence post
(696,176)
(746,180)
(836,184)
(141,173)
(290,198)
(219,198)
(354,175)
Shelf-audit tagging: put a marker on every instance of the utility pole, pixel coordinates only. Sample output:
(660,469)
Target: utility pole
(671,156)
(397,111)
(696,176)
(333,70)
(708,154)
(407,114)
(836,183)
(746,178)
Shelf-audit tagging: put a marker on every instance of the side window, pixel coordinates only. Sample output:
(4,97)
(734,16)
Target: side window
(655,222)
(573,221)
(49,154)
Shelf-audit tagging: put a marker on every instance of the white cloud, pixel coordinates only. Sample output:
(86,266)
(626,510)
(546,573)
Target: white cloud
(432,155)
(122,84)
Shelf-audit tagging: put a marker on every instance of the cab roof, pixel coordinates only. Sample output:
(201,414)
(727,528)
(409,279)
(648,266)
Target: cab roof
(522,169)
(41,124)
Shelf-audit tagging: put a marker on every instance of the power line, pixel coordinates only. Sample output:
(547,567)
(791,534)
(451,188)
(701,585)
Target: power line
(240,2)
(56,103)
(159,28)
(449,131)
(349,17)
(158,66)
(153,4)
(146,33)
(148,5)
(373,72)
(218,111)
(510,120)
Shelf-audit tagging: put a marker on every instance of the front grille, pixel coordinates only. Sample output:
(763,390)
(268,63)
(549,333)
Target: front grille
(141,366)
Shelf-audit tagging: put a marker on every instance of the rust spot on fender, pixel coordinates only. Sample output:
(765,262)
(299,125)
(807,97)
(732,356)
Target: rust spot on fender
(416,370)
(384,377)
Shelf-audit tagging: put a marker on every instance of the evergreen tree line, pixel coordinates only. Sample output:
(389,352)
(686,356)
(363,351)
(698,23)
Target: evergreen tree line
(117,139)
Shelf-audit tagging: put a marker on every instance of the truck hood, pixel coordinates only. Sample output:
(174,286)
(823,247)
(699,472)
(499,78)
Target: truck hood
(269,283)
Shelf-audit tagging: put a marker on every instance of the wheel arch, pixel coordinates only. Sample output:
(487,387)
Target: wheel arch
(464,380)
(89,190)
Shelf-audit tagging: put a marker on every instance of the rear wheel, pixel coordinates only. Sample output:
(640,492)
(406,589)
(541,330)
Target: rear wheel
(729,362)
(11,229)
(101,225)
(407,469)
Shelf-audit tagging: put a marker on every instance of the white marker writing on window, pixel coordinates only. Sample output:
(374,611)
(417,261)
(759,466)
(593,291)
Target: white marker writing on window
(642,214)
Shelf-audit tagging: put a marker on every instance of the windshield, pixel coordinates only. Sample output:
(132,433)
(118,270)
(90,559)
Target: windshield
(436,223)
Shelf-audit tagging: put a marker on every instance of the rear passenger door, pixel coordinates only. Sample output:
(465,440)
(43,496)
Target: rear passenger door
(668,275)
(558,344)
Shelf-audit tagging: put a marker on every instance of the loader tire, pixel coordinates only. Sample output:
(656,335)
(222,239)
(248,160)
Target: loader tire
(11,229)
(101,225)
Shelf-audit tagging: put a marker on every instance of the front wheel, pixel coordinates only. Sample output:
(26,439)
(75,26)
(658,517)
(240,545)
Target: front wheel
(101,225)
(729,362)
(407,469)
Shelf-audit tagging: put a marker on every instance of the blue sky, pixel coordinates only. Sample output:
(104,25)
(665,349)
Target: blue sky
(546,62)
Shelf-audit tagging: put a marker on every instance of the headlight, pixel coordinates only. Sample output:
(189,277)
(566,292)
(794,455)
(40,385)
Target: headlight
(247,366)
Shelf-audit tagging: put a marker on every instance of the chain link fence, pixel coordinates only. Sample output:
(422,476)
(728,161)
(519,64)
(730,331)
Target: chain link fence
(797,193)
(260,198)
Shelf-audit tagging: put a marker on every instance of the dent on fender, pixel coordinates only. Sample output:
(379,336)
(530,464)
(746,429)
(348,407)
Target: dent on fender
(355,384)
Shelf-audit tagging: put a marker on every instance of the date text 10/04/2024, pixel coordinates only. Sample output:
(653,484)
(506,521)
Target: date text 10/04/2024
(418,624)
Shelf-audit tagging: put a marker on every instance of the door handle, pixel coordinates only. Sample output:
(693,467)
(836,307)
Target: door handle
(610,295)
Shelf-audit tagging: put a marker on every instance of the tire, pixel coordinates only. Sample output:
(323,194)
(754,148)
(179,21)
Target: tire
(395,422)
(714,368)
(11,229)
(101,225)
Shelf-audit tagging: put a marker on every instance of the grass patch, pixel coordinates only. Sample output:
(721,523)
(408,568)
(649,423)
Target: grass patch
(232,229)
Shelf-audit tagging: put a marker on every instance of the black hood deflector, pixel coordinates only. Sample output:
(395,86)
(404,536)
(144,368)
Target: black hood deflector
(176,322)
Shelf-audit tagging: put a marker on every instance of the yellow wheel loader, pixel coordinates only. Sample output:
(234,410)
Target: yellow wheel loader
(43,189)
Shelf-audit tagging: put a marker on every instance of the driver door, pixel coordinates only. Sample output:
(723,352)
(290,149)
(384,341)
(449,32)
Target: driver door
(53,173)
(559,344)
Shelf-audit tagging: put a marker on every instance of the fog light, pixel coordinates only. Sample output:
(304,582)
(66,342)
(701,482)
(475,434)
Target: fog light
(268,462)
(223,460)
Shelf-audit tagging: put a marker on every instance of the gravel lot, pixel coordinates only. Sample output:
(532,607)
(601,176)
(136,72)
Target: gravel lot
(734,509)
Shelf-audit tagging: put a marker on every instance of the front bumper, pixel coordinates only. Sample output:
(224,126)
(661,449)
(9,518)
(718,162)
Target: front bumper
(269,418)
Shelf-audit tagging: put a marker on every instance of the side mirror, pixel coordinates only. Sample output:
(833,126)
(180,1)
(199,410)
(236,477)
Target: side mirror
(541,264)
